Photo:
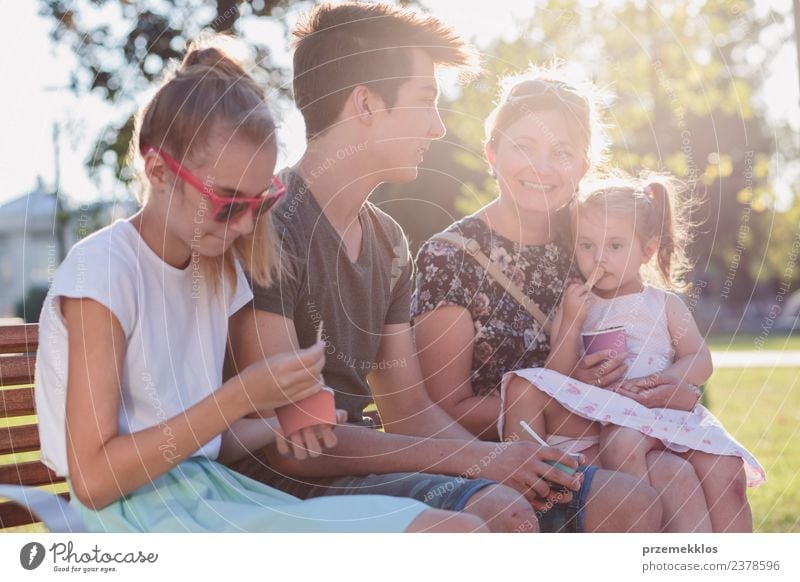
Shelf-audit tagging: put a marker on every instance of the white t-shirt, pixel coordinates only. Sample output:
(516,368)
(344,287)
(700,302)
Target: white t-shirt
(176,328)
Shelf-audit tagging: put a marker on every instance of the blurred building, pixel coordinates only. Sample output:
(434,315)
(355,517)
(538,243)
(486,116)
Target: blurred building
(35,232)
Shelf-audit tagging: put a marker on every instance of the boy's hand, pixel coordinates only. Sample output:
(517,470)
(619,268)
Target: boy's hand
(310,441)
(521,465)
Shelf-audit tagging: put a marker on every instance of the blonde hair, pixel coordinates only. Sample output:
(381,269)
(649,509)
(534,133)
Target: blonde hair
(651,202)
(555,87)
(208,92)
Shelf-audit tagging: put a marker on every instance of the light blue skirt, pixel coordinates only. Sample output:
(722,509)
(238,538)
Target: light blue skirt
(200,495)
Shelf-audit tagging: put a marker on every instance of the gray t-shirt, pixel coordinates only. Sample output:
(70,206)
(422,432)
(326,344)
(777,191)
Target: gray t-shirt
(354,299)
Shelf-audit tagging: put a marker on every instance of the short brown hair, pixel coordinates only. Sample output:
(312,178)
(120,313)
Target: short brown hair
(339,47)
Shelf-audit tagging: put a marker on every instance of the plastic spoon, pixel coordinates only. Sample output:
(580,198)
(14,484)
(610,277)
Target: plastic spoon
(568,470)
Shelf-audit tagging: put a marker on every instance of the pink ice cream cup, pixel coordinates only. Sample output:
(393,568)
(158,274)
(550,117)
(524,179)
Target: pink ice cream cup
(612,338)
(319,408)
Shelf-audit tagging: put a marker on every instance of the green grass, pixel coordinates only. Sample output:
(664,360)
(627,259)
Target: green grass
(761,408)
(754,341)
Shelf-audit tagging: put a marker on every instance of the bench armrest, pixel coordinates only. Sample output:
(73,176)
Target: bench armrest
(54,512)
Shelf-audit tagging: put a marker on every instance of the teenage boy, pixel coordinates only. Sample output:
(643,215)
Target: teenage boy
(364,80)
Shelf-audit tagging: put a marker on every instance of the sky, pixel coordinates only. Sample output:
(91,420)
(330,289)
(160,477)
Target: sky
(34,95)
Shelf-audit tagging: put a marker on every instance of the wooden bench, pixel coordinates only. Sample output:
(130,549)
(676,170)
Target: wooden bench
(19,433)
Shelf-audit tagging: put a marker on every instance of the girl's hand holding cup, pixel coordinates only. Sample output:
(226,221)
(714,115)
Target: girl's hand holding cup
(281,379)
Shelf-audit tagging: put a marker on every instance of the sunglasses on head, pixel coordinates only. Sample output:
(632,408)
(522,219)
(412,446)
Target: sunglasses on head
(564,92)
(224,208)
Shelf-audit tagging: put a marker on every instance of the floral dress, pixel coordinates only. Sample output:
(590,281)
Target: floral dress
(507,337)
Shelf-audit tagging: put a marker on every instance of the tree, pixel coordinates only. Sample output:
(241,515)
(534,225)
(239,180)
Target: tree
(118,60)
(123,46)
(684,76)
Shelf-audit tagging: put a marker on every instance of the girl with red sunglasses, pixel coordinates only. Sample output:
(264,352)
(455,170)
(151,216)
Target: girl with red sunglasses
(129,382)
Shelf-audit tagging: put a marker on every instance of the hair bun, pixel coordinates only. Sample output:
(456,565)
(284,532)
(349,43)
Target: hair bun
(208,57)
(213,58)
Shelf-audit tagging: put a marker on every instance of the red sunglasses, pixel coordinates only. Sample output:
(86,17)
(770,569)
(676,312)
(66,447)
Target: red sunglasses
(225,208)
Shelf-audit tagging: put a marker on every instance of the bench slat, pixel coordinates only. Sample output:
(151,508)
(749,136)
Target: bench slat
(13,515)
(16,370)
(375,416)
(19,439)
(21,341)
(19,402)
(15,339)
(30,473)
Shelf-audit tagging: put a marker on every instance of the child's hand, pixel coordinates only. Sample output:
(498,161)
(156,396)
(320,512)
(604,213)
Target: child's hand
(310,441)
(595,276)
(575,303)
(282,379)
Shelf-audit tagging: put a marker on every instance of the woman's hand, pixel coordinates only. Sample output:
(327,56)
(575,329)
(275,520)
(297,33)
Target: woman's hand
(659,391)
(637,385)
(310,441)
(281,379)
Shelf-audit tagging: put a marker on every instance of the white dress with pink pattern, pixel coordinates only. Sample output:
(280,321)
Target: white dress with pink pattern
(649,351)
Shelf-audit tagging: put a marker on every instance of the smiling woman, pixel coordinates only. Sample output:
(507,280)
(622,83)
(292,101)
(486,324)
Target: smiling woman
(539,162)
(470,330)
(540,141)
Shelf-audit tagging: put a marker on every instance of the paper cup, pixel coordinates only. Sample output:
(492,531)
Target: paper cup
(567,470)
(612,338)
(319,408)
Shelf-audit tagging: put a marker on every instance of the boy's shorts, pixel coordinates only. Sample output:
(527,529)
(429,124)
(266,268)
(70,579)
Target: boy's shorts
(436,491)
(569,517)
